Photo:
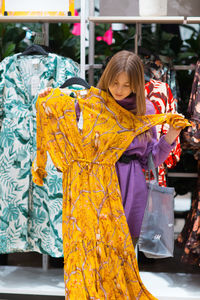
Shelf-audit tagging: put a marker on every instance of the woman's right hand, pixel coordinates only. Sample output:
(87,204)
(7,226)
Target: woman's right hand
(45,92)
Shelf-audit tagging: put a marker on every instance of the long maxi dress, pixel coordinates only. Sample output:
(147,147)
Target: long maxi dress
(99,257)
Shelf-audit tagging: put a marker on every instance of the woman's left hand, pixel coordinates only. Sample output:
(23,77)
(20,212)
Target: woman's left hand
(172,134)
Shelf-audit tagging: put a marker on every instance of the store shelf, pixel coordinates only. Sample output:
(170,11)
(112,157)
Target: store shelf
(31,281)
(127,20)
(172,286)
(184,67)
(34,281)
(39,19)
(182,175)
(193,20)
(100,19)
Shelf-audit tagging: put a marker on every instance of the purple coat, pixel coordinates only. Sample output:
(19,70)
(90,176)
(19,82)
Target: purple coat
(130,175)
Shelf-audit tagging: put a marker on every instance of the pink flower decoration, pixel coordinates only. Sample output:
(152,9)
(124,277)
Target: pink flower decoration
(107,37)
(77,26)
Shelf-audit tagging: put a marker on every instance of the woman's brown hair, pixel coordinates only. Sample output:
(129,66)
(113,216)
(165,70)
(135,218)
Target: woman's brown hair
(129,62)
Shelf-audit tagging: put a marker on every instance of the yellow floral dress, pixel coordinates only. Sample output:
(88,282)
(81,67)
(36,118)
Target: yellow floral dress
(99,257)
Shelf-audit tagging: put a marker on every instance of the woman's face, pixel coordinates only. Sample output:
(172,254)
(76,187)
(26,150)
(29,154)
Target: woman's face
(120,87)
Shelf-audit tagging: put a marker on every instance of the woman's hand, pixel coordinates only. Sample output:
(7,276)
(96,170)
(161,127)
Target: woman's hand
(45,92)
(172,134)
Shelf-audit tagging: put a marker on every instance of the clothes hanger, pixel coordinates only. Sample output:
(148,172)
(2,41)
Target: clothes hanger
(34,49)
(75,80)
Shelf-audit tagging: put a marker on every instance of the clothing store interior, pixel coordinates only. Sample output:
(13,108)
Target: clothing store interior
(36,54)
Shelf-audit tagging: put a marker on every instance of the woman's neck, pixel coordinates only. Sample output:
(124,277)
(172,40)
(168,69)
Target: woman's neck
(129,102)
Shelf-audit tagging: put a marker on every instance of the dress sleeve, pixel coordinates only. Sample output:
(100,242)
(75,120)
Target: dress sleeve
(160,150)
(39,163)
(159,147)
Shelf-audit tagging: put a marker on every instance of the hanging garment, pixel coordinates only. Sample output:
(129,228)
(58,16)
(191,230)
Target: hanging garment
(189,238)
(160,68)
(31,216)
(192,136)
(99,257)
(159,93)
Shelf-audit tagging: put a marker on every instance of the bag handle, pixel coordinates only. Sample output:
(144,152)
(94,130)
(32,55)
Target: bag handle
(151,166)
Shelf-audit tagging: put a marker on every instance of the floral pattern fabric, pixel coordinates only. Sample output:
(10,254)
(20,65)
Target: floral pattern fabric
(30,216)
(99,257)
(191,136)
(189,238)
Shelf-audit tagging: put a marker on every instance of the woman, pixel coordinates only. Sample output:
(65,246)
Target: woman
(123,78)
